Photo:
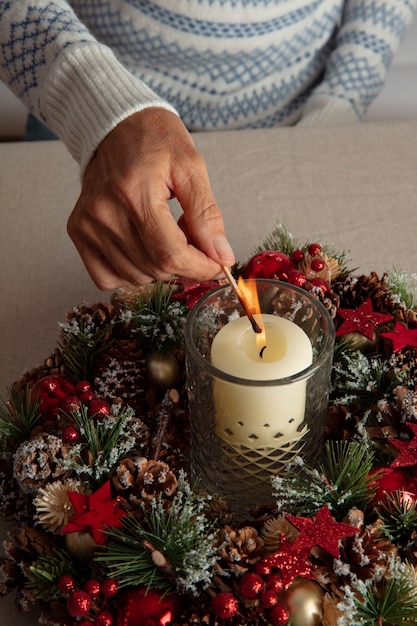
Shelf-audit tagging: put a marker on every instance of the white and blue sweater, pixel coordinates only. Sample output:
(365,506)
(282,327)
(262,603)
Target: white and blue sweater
(84,65)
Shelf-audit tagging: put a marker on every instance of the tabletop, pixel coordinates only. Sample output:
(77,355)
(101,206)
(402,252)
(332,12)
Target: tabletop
(355,187)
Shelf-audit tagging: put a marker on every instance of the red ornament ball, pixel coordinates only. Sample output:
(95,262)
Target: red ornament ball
(92,587)
(225,605)
(251,585)
(82,386)
(79,603)
(99,408)
(268,599)
(263,569)
(320,283)
(87,396)
(278,616)
(268,264)
(109,587)
(297,278)
(104,618)
(70,405)
(70,434)
(314,248)
(66,584)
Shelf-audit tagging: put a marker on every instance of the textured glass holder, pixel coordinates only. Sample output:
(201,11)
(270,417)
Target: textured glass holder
(243,431)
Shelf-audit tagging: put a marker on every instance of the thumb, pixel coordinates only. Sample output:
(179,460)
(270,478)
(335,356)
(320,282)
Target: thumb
(202,220)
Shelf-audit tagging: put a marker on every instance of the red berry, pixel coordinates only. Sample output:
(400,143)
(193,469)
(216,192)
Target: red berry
(87,396)
(298,256)
(278,616)
(82,386)
(85,622)
(320,283)
(66,584)
(92,587)
(99,408)
(225,605)
(297,277)
(263,569)
(251,585)
(109,587)
(70,405)
(70,434)
(79,603)
(275,583)
(268,264)
(104,618)
(317,265)
(314,248)
(268,599)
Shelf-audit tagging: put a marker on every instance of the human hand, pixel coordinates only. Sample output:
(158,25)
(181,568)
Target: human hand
(122,225)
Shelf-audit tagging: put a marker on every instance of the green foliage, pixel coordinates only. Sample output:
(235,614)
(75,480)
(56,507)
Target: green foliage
(341,482)
(279,239)
(82,348)
(403,287)
(391,601)
(45,572)
(19,417)
(159,320)
(182,535)
(399,515)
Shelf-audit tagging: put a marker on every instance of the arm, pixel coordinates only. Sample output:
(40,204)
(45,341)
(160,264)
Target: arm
(133,151)
(370,33)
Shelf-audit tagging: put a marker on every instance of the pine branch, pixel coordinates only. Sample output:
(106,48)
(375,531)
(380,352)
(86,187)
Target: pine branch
(399,515)
(19,416)
(45,572)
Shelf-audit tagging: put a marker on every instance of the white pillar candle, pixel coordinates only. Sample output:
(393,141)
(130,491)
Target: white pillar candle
(260,416)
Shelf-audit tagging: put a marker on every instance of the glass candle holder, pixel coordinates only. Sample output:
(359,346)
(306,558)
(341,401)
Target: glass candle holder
(253,408)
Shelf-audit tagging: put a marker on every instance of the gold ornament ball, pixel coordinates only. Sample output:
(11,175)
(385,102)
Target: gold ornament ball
(304,601)
(357,341)
(163,370)
(80,545)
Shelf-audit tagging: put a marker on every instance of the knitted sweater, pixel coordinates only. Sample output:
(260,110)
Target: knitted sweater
(82,66)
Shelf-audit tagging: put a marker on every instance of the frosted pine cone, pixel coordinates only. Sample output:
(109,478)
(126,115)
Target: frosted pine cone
(241,548)
(39,460)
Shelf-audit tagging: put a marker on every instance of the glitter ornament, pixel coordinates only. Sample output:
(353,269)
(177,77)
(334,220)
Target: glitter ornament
(225,605)
(278,616)
(297,278)
(268,599)
(104,618)
(79,603)
(362,320)
(274,583)
(146,607)
(70,405)
(163,369)
(251,585)
(268,264)
(304,601)
(320,283)
(82,386)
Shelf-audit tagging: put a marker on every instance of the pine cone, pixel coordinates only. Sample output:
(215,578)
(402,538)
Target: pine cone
(121,373)
(241,547)
(38,461)
(139,480)
(94,317)
(14,505)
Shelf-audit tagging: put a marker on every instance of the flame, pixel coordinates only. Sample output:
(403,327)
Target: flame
(250,300)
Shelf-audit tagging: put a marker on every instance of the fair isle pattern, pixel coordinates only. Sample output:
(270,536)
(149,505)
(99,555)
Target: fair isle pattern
(221,63)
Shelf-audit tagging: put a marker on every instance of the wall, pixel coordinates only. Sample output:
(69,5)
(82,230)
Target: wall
(397,100)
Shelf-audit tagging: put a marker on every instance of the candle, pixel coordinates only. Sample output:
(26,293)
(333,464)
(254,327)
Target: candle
(256,416)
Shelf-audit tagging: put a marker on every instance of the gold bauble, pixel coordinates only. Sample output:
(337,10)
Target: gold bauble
(80,545)
(163,370)
(304,601)
(357,341)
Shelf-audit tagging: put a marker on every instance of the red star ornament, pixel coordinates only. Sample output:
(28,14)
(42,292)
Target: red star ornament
(291,560)
(401,337)
(361,320)
(94,513)
(407,449)
(321,530)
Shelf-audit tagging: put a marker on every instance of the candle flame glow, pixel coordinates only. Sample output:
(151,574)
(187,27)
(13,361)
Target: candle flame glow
(249,296)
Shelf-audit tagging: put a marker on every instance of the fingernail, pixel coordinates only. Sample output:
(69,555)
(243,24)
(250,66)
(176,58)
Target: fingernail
(224,250)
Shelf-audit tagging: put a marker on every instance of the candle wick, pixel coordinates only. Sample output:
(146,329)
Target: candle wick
(261,353)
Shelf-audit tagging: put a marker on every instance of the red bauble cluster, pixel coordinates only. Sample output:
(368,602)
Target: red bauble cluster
(90,601)
(301,269)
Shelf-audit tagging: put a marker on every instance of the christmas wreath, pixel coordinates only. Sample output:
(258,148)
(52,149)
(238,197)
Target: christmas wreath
(109,529)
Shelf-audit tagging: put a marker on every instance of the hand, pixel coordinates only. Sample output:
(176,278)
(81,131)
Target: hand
(122,225)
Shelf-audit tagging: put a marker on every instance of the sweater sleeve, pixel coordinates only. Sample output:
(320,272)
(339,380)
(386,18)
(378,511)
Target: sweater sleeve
(369,35)
(69,80)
